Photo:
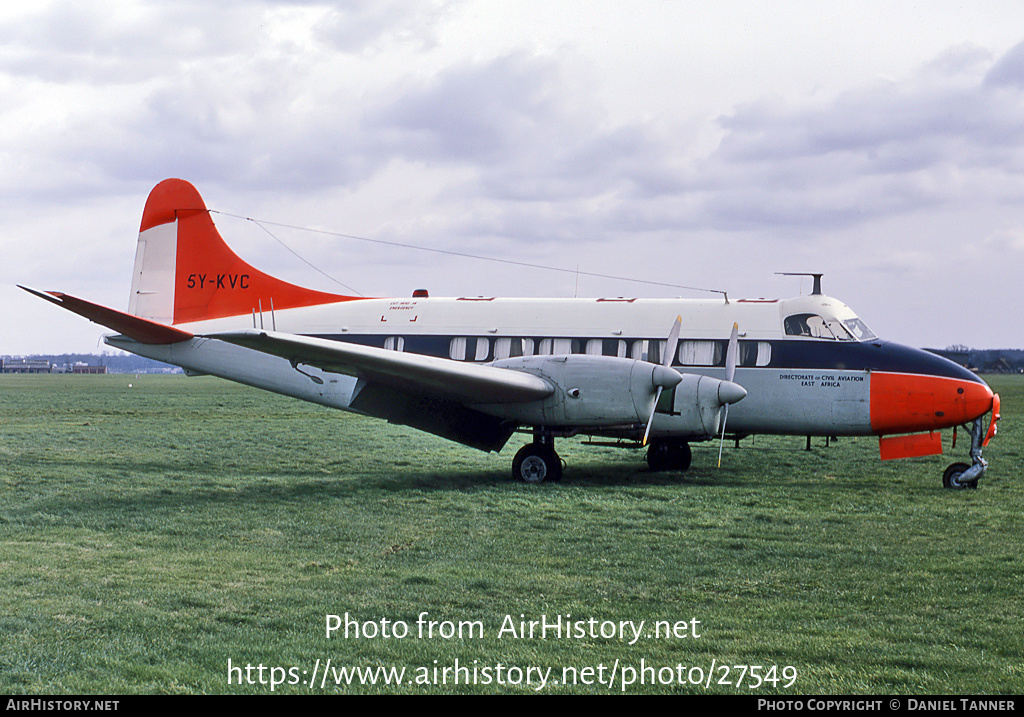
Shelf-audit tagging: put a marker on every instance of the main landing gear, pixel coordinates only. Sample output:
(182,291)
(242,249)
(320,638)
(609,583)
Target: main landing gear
(667,454)
(537,461)
(959,476)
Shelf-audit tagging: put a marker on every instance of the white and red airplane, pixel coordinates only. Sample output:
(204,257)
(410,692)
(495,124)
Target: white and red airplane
(477,369)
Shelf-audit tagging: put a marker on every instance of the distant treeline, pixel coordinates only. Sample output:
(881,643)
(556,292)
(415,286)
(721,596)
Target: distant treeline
(985,360)
(115,363)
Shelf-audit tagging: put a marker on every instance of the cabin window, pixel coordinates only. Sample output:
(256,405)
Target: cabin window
(469,349)
(457,349)
(700,353)
(483,349)
(558,347)
(394,343)
(648,350)
(755,353)
(606,347)
(512,348)
(503,348)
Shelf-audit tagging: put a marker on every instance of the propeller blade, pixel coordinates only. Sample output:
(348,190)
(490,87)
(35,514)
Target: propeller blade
(665,375)
(733,391)
(721,445)
(647,431)
(732,353)
(673,341)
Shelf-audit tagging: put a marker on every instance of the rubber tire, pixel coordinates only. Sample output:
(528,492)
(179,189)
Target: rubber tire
(666,455)
(951,477)
(535,463)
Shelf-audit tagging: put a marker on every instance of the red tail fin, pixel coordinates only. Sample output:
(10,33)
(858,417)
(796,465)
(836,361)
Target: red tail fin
(185,272)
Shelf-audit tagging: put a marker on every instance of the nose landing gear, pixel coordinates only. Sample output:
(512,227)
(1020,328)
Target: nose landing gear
(960,476)
(953,477)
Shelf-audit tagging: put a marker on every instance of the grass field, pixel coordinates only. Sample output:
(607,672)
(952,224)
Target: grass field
(154,528)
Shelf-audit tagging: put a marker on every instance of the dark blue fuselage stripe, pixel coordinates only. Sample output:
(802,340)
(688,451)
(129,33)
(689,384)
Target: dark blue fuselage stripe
(796,353)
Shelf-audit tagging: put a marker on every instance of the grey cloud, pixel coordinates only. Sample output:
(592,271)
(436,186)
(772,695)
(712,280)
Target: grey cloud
(525,131)
(209,98)
(893,147)
(362,26)
(1009,70)
(72,42)
(204,91)
(531,132)
(480,113)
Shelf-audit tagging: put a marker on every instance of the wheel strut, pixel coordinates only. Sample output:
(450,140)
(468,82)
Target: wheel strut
(959,476)
(538,461)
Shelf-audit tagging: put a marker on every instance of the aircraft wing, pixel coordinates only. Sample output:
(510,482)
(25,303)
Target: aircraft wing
(406,372)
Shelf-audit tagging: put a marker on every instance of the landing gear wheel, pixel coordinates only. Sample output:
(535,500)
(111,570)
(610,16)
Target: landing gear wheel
(664,455)
(536,462)
(951,477)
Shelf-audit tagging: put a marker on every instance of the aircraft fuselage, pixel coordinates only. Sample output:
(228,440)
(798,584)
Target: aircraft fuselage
(797,383)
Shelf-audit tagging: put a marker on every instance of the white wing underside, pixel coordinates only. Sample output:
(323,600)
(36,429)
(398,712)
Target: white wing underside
(412,373)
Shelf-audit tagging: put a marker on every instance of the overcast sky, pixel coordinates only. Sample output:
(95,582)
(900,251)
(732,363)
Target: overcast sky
(691,143)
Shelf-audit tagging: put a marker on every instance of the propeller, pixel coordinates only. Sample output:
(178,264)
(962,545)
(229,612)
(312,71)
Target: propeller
(731,358)
(664,375)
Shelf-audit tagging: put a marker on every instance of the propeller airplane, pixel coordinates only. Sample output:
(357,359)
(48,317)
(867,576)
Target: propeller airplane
(477,369)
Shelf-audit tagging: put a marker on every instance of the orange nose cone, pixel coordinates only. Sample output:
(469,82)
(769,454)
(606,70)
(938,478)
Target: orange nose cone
(977,401)
(907,403)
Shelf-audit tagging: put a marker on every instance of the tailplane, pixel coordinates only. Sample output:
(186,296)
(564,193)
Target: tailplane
(185,271)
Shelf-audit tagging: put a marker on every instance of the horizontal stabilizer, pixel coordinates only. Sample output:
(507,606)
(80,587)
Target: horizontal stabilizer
(412,373)
(142,330)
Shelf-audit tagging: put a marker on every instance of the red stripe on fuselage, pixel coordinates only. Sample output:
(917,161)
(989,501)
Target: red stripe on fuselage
(908,403)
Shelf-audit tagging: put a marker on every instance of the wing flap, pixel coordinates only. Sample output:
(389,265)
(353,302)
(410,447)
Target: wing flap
(412,373)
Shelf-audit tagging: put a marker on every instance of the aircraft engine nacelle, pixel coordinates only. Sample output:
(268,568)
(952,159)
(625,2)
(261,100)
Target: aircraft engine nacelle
(589,390)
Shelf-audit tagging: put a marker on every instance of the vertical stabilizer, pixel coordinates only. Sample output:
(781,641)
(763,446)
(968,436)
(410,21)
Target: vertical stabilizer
(185,272)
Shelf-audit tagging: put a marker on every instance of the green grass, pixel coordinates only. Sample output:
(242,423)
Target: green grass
(150,534)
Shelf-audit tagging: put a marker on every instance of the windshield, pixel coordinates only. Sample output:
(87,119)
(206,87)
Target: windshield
(859,329)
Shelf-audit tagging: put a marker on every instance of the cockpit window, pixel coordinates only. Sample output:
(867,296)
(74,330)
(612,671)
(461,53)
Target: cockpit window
(839,331)
(816,327)
(859,329)
(808,325)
